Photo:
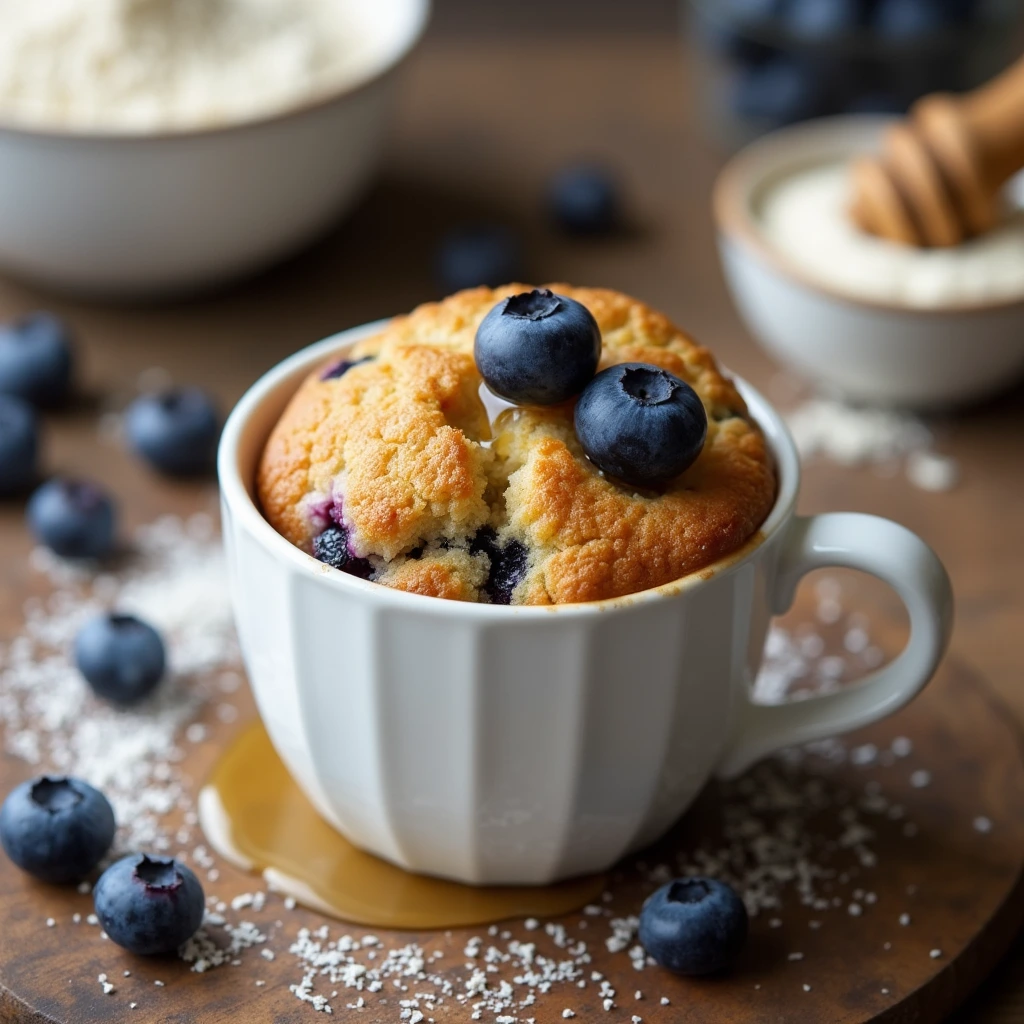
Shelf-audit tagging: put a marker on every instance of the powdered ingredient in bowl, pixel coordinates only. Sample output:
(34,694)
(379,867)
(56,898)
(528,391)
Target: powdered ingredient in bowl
(147,65)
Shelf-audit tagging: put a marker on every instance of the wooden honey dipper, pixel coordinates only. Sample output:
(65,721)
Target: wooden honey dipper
(939,176)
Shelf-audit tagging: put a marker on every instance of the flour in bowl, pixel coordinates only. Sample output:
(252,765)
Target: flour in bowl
(150,65)
(805,216)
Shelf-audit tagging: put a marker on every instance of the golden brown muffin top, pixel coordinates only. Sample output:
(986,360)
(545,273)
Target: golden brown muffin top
(400,452)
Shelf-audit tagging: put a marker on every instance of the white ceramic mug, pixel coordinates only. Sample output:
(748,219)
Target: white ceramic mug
(494,744)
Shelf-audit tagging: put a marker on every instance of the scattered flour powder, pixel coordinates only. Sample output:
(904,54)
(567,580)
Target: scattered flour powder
(144,65)
(852,436)
(175,579)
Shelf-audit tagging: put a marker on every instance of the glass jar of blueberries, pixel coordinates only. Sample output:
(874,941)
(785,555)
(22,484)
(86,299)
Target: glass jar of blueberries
(761,64)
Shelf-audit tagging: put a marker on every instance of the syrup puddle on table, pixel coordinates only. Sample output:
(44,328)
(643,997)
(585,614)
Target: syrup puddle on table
(255,816)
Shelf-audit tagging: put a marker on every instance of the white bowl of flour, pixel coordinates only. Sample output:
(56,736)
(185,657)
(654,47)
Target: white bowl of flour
(158,146)
(879,322)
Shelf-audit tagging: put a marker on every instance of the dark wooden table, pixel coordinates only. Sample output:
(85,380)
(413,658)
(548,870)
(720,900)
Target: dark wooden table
(482,123)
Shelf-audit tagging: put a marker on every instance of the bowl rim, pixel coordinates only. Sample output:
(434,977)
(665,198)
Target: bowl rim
(742,177)
(238,499)
(407,40)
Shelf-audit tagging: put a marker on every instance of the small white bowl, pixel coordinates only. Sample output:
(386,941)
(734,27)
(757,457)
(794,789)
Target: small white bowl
(870,351)
(127,215)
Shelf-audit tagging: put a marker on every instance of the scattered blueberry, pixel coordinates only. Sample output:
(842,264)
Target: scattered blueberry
(537,348)
(780,90)
(694,926)
(35,359)
(640,424)
(331,547)
(815,20)
(340,367)
(472,256)
(909,20)
(121,657)
(19,445)
(175,431)
(508,564)
(74,518)
(56,828)
(149,905)
(584,200)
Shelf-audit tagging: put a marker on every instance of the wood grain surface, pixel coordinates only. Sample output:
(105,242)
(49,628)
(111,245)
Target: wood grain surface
(479,129)
(964,892)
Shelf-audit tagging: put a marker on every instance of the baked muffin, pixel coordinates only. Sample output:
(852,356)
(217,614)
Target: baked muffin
(387,464)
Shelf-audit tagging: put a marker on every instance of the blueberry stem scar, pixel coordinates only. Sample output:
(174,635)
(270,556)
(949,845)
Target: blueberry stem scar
(55,794)
(535,305)
(157,873)
(648,386)
(689,890)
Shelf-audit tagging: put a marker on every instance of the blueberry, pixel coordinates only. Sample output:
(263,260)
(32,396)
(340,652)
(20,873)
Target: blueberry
(331,547)
(780,90)
(508,564)
(640,424)
(815,20)
(537,348)
(35,359)
(55,828)
(121,657)
(74,518)
(583,199)
(340,367)
(149,905)
(19,444)
(472,256)
(694,926)
(175,431)
(909,20)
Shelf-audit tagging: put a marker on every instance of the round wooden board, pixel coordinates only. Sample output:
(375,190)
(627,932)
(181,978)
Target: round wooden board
(960,886)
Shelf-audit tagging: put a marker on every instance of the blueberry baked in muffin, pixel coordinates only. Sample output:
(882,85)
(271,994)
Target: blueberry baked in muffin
(519,446)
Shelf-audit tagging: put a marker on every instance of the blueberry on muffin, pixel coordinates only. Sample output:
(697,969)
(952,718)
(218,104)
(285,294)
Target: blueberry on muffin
(394,462)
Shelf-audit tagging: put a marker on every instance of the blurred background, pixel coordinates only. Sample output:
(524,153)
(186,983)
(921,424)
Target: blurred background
(539,140)
(760,63)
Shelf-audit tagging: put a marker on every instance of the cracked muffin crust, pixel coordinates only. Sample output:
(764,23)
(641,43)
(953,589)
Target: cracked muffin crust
(391,456)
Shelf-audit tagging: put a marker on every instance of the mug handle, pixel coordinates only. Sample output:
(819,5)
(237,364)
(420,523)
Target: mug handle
(893,554)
